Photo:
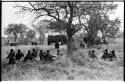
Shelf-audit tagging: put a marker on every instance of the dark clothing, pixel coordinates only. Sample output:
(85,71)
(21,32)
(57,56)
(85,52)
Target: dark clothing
(92,54)
(28,57)
(59,54)
(19,55)
(49,57)
(56,45)
(41,55)
(11,54)
(105,55)
(111,56)
(34,54)
(11,58)
(11,61)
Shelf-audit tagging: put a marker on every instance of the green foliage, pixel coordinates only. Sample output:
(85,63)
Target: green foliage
(40,27)
(88,14)
(31,34)
(15,30)
(57,26)
(62,63)
(41,39)
(98,19)
(80,58)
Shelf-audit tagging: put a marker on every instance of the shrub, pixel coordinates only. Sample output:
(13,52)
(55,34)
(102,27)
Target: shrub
(64,62)
(80,58)
(41,39)
(75,46)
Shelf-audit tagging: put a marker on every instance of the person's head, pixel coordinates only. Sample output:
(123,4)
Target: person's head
(28,51)
(57,50)
(44,52)
(33,50)
(113,51)
(41,50)
(11,50)
(106,50)
(18,50)
(93,51)
(47,51)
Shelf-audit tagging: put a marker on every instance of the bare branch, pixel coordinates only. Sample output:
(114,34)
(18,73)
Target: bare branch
(31,5)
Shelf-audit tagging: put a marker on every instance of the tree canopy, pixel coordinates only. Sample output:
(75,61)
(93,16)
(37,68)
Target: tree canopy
(31,34)
(89,15)
(15,30)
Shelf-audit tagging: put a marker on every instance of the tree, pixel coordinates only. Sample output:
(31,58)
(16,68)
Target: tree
(58,11)
(31,34)
(40,28)
(41,39)
(15,30)
(56,26)
(87,14)
(112,28)
(96,17)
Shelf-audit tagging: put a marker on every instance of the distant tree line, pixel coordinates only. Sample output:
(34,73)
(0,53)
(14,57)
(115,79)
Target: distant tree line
(21,33)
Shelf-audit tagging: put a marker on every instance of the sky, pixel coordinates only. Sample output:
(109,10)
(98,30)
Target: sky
(9,16)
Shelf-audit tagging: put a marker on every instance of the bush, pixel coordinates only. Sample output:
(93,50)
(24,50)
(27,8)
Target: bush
(80,58)
(64,62)
(75,46)
(41,39)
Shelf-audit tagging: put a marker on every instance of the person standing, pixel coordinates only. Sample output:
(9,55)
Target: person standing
(56,45)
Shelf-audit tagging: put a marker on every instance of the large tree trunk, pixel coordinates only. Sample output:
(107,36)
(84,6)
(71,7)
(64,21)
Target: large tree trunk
(69,47)
(69,33)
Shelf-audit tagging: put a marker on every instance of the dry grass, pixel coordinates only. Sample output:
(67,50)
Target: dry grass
(80,68)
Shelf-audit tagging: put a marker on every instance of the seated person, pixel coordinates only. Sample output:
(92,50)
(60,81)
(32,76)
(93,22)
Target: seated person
(28,57)
(92,54)
(19,55)
(44,55)
(59,54)
(48,56)
(11,57)
(41,55)
(105,54)
(112,55)
(34,53)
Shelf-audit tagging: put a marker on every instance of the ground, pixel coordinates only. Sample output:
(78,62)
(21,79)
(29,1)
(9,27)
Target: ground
(84,68)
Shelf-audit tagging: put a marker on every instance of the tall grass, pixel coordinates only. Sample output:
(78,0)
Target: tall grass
(80,67)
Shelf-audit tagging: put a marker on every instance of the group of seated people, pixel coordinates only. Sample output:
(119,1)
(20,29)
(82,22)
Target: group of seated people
(92,54)
(106,55)
(45,56)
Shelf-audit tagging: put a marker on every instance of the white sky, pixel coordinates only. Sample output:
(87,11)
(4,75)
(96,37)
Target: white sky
(9,16)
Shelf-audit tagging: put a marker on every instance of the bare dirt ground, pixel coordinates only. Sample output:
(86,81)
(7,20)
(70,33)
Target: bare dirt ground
(83,68)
